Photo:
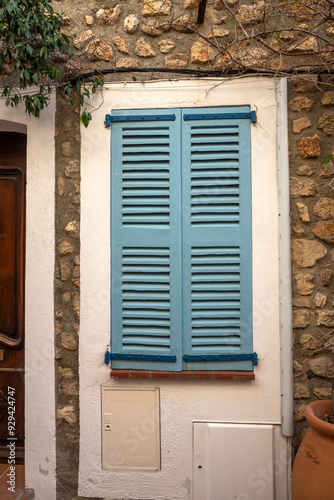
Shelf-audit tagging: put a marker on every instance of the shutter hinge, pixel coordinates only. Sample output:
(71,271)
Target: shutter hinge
(139,357)
(221,116)
(188,358)
(107,121)
(142,118)
(107,356)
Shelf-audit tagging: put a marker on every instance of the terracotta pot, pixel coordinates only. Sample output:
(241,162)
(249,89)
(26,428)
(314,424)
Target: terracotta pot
(313,468)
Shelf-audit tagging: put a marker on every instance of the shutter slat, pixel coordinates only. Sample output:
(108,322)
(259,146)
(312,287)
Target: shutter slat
(143,175)
(161,140)
(218,190)
(216,155)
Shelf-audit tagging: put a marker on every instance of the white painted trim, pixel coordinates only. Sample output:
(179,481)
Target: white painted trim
(182,402)
(285,259)
(40,452)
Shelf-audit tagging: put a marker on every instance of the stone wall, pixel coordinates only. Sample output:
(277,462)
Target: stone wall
(311,130)
(67,286)
(149,34)
(166,34)
(156,34)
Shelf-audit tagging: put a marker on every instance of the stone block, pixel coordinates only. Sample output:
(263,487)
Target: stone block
(325,231)
(68,341)
(131,23)
(301,318)
(327,170)
(303,212)
(108,16)
(67,414)
(99,50)
(300,391)
(127,63)
(201,53)
(301,301)
(156,8)
(307,45)
(300,104)
(302,187)
(322,366)
(324,208)
(304,84)
(250,14)
(328,98)
(326,277)
(300,124)
(176,61)
(185,23)
(323,392)
(121,45)
(326,123)
(81,40)
(144,49)
(298,231)
(65,248)
(309,147)
(305,171)
(305,253)
(325,318)
(166,46)
(299,412)
(320,300)
(298,369)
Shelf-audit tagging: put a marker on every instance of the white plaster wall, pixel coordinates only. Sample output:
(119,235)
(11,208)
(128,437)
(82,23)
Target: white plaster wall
(39,318)
(182,402)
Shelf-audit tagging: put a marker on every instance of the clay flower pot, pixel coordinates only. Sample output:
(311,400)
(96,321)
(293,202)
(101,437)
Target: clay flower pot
(313,469)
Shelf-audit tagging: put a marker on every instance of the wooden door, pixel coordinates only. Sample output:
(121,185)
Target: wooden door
(12,251)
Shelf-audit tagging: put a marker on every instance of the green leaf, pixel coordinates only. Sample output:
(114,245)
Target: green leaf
(30,32)
(321,123)
(327,159)
(29,49)
(85,118)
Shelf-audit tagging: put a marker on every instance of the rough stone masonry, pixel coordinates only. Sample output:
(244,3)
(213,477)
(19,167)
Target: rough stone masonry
(163,34)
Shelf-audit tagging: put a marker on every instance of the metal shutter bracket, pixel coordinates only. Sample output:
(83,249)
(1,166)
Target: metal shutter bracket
(222,357)
(194,116)
(221,116)
(138,357)
(138,118)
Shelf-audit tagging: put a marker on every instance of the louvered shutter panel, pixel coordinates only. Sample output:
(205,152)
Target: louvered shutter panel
(217,241)
(146,241)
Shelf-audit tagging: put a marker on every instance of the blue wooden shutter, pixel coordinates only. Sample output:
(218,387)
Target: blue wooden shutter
(217,241)
(146,240)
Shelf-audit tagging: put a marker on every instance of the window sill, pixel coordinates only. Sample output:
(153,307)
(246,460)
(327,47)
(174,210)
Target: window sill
(189,375)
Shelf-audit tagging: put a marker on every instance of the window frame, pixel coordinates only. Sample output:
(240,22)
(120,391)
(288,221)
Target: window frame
(229,359)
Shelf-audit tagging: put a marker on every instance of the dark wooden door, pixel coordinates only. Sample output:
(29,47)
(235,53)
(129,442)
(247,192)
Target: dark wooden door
(12,251)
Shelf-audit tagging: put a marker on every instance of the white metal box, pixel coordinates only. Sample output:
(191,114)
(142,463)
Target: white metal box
(130,428)
(233,461)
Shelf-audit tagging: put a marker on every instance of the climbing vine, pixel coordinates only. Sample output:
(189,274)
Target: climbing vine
(33,48)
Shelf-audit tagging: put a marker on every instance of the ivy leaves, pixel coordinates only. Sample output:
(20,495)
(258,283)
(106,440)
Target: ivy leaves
(30,40)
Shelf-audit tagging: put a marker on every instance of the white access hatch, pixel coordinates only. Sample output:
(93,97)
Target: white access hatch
(130,428)
(233,461)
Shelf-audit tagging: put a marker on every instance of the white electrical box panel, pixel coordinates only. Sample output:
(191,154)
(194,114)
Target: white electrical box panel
(130,428)
(233,461)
